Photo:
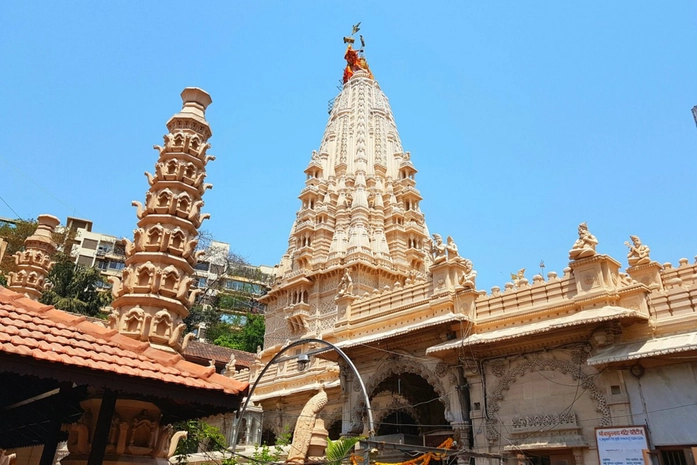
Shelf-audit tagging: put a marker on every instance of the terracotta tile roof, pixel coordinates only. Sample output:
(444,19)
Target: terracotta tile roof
(207,352)
(31,329)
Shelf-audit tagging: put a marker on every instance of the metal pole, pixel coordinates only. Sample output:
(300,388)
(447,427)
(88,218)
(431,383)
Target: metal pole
(241,412)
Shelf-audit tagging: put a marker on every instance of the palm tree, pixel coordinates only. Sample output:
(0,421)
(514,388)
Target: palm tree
(75,288)
(339,449)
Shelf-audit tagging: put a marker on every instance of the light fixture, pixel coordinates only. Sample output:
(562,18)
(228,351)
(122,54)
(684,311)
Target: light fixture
(303,360)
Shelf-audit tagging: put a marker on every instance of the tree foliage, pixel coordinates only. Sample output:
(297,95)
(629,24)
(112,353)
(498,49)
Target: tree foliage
(247,338)
(75,288)
(339,449)
(231,314)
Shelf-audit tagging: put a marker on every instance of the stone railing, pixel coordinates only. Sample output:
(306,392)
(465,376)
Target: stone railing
(514,300)
(391,300)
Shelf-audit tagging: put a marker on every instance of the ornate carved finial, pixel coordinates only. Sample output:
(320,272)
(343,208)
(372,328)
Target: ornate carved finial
(638,252)
(518,277)
(355,60)
(584,245)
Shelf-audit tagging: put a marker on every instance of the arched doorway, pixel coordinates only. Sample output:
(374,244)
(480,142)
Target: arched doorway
(398,422)
(405,403)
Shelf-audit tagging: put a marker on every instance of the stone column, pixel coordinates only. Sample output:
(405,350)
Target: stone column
(152,297)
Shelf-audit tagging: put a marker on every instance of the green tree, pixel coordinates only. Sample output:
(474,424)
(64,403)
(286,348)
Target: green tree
(246,338)
(75,288)
(228,304)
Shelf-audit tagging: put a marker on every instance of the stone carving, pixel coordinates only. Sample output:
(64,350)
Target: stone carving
(346,284)
(133,431)
(451,248)
(547,421)
(518,277)
(230,369)
(638,252)
(161,326)
(492,431)
(438,249)
(396,365)
(441,369)
(544,363)
(468,278)
(140,212)
(310,436)
(585,244)
(79,435)
(498,368)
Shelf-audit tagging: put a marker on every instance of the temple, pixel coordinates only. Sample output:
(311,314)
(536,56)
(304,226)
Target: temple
(525,372)
(543,370)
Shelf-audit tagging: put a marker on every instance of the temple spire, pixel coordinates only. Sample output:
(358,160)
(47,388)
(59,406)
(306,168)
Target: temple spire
(359,209)
(152,297)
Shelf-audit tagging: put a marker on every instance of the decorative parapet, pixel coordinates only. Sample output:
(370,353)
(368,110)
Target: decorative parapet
(153,295)
(591,282)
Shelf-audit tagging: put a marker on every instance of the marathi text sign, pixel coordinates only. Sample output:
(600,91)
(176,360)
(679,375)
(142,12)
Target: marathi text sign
(621,446)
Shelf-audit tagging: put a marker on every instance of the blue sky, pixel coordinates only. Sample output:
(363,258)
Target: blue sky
(523,118)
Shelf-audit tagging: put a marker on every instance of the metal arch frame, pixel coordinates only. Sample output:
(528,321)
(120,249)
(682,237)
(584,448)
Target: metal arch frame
(243,410)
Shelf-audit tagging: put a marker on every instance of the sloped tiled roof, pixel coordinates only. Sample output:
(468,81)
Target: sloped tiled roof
(205,351)
(43,333)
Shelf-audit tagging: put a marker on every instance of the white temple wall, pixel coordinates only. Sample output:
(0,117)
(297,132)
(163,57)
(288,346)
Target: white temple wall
(669,394)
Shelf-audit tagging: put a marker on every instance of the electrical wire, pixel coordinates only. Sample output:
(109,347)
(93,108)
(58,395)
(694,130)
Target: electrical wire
(36,184)
(8,206)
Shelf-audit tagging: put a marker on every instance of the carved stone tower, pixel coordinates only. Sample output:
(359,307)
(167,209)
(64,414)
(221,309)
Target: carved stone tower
(153,295)
(35,261)
(359,212)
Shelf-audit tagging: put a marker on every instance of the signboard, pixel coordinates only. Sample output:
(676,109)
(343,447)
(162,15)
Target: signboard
(622,445)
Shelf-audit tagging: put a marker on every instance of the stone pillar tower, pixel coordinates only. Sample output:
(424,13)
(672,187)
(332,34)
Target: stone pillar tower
(35,261)
(153,297)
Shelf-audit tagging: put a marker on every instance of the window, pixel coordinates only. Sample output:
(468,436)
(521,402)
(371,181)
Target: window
(84,260)
(105,247)
(676,456)
(201,282)
(234,319)
(89,244)
(202,266)
(102,264)
(217,269)
(114,265)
